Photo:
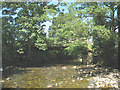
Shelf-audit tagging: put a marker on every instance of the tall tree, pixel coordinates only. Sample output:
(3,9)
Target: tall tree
(23,26)
(104,14)
(69,31)
(118,15)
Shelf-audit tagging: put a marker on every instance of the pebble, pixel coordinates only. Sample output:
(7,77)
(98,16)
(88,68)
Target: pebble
(78,78)
(88,79)
(74,67)
(73,80)
(56,84)
(8,78)
(49,86)
(2,81)
(81,79)
(90,86)
(64,67)
(61,82)
(48,68)
(108,80)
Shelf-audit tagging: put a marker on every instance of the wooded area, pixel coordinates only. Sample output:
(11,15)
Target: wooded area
(24,38)
(89,31)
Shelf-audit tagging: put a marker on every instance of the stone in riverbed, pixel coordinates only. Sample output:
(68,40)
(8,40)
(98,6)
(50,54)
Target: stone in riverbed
(2,81)
(8,78)
(49,86)
(74,67)
(73,80)
(64,67)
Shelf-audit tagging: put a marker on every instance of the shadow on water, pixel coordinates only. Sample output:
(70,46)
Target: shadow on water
(80,72)
(46,74)
(10,70)
(20,67)
(51,63)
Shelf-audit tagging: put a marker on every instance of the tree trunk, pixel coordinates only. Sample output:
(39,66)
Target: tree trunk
(112,18)
(118,14)
(29,49)
(112,43)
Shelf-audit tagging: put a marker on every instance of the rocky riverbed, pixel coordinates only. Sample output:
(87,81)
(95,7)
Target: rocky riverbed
(106,79)
(63,76)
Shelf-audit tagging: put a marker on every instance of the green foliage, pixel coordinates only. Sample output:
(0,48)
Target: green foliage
(99,12)
(24,36)
(77,49)
(23,28)
(103,46)
(101,32)
(69,31)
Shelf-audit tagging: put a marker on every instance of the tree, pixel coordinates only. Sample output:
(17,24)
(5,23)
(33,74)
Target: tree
(24,37)
(109,20)
(118,15)
(69,31)
(23,29)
